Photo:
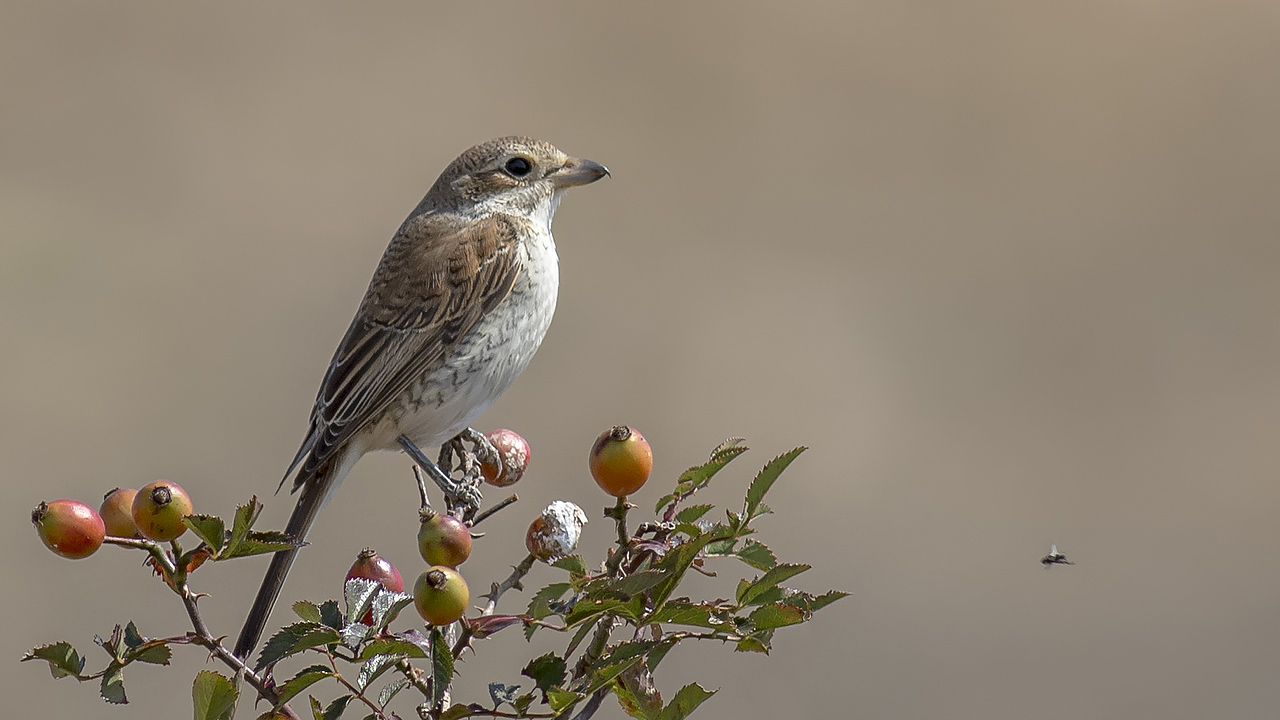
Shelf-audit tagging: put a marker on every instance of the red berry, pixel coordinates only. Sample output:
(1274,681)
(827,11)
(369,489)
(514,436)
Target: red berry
(370,566)
(69,527)
(443,539)
(621,461)
(117,512)
(514,453)
(158,510)
(441,595)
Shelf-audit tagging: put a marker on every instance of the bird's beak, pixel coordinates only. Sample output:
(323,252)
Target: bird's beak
(577,171)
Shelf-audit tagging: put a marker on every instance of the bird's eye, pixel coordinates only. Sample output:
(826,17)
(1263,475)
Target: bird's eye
(519,167)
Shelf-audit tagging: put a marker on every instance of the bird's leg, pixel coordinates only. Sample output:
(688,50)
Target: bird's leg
(463,494)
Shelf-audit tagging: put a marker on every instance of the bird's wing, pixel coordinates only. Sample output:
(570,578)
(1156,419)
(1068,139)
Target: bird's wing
(437,278)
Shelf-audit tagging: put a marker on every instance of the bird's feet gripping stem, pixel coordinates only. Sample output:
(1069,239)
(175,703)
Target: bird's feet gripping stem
(462,494)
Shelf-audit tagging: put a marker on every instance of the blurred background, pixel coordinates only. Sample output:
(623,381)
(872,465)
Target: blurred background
(1011,269)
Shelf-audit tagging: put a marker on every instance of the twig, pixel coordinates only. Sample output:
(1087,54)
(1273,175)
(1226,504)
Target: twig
(513,581)
(483,515)
(354,690)
(619,513)
(422,487)
(592,706)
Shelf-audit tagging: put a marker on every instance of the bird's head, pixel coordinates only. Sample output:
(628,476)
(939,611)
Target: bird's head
(510,174)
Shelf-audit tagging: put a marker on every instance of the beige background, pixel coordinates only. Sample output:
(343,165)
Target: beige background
(1010,268)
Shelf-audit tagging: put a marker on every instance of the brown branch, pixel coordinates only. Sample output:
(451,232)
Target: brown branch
(485,514)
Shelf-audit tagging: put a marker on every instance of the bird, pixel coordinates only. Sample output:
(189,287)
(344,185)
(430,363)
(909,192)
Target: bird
(1055,558)
(457,306)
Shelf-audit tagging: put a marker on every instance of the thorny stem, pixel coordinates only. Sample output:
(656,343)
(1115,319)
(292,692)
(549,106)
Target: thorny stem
(513,581)
(422,487)
(619,514)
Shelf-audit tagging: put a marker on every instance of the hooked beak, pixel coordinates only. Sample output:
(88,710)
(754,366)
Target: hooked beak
(578,171)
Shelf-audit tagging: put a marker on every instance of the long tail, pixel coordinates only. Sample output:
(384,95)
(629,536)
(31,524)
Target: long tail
(313,495)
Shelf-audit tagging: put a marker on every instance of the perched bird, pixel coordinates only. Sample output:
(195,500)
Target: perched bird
(457,307)
(1055,558)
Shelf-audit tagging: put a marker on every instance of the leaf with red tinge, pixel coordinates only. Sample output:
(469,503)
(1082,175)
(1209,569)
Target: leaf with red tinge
(486,625)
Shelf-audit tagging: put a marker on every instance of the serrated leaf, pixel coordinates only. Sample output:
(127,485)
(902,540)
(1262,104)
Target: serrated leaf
(523,702)
(765,479)
(781,573)
(62,658)
(655,656)
(112,643)
(295,638)
(242,523)
(685,702)
(210,529)
(154,652)
(112,688)
(698,476)
(392,646)
(260,543)
(392,689)
(587,609)
(305,678)
(682,612)
(758,642)
(693,512)
(607,673)
(331,615)
(676,564)
(776,615)
(373,668)
(637,694)
(213,696)
(637,583)
(386,606)
(560,699)
(457,711)
(132,638)
(441,667)
(307,611)
(355,634)
(546,671)
(503,694)
(576,566)
(814,604)
(336,708)
(757,555)
(578,637)
(358,593)
(540,603)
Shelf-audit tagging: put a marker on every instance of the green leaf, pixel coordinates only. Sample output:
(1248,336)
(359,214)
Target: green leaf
(112,688)
(683,612)
(243,521)
(585,610)
(655,656)
(391,646)
(386,606)
(765,479)
(392,689)
(441,666)
(637,583)
(676,564)
(776,615)
(62,658)
(757,555)
(305,678)
(756,642)
(606,674)
(214,696)
(698,476)
(336,708)
(576,566)
(814,604)
(155,652)
(375,667)
(132,638)
(685,702)
(306,610)
(208,528)
(560,699)
(637,694)
(331,616)
(523,702)
(260,543)
(546,671)
(781,573)
(457,711)
(293,639)
(578,637)
(693,512)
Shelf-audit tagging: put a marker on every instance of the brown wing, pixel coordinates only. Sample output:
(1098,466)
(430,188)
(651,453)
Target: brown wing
(437,278)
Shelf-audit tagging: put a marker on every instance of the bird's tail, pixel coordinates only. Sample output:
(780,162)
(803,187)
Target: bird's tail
(315,491)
